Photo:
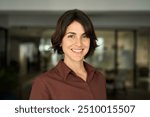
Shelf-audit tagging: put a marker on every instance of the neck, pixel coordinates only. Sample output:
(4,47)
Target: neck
(78,68)
(75,65)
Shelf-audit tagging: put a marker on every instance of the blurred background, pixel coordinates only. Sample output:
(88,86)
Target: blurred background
(123,55)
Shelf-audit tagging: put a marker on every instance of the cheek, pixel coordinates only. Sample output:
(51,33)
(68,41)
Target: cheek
(87,44)
(65,45)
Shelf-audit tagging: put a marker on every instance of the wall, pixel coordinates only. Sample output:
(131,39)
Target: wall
(99,20)
(104,13)
(87,5)
(4,21)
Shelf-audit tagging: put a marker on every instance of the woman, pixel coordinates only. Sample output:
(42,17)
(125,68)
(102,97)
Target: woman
(71,78)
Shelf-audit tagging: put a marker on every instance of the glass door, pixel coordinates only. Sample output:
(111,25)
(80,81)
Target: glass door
(103,57)
(125,58)
(143,59)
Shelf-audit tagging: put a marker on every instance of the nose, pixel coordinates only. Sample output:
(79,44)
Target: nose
(78,42)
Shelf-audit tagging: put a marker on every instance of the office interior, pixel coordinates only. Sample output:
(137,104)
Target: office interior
(123,54)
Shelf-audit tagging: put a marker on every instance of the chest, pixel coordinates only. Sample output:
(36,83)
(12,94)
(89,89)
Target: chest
(74,90)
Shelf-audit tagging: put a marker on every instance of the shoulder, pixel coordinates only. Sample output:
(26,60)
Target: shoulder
(100,74)
(46,76)
(93,71)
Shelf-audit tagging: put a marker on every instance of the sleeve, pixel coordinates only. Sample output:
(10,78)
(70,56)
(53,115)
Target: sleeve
(103,86)
(39,90)
(105,93)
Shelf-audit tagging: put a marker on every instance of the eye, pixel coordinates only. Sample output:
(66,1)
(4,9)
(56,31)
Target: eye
(84,36)
(71,36)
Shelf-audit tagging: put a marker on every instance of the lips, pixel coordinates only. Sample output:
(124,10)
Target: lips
(77,50)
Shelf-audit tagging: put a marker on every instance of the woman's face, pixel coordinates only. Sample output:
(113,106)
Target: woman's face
(75,43)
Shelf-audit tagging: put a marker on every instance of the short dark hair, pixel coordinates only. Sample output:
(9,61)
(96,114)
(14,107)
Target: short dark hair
(64,21)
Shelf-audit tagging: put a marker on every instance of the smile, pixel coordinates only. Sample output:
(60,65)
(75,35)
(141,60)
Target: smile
(77,50)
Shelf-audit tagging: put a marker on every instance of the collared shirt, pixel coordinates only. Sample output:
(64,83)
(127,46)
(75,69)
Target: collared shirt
(61,83)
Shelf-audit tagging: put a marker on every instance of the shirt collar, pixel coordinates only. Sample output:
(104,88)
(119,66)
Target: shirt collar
(64,70)
(90,71)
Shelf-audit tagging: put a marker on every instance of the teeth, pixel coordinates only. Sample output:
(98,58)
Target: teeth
(77,50)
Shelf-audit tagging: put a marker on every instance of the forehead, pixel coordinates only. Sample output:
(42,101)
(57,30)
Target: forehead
(75,27)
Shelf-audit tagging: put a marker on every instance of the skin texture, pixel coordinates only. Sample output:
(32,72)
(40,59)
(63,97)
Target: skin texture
(75,45)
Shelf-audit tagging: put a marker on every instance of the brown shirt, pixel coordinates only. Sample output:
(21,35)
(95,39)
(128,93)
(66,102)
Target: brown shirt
(61,83)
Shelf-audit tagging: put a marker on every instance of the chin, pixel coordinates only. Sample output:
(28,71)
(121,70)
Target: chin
(77,59)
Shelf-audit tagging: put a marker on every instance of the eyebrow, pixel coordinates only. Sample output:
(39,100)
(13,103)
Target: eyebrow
(70,33)
(73,33)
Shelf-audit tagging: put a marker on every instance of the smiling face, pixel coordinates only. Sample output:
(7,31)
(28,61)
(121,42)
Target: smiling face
(75,43)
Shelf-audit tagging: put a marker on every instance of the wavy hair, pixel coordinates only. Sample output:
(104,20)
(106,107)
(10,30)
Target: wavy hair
(64,21)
